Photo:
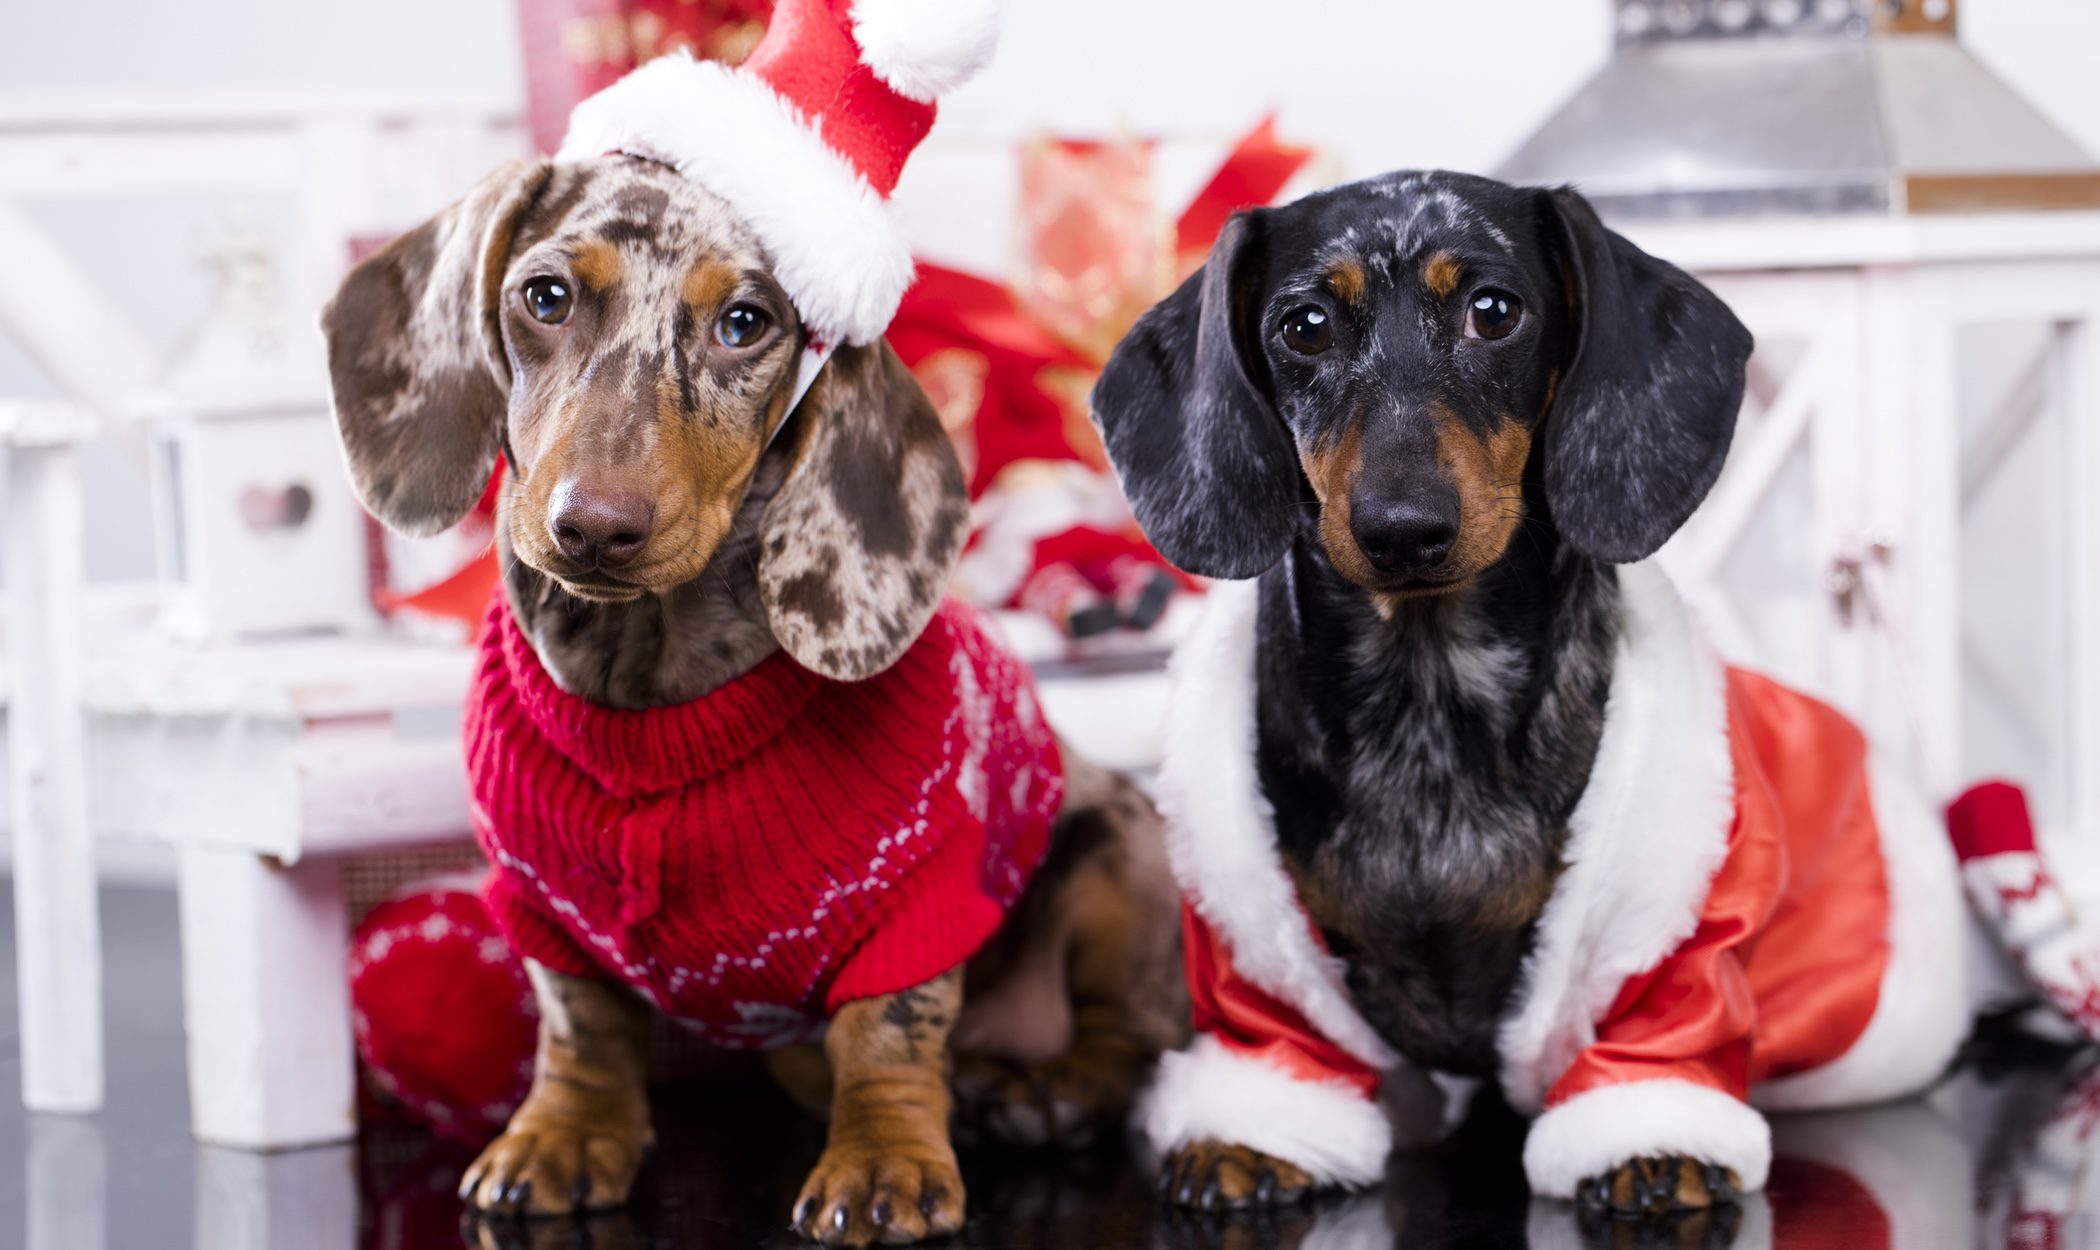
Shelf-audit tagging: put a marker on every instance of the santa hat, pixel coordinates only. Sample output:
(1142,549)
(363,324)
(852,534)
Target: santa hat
(806,139)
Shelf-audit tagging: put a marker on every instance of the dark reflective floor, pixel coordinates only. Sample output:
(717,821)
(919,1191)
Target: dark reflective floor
(1999,1156)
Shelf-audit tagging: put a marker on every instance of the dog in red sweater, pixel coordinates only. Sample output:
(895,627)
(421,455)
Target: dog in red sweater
(734,758)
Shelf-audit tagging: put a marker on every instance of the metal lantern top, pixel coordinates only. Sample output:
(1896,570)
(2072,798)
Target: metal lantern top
(1716,108)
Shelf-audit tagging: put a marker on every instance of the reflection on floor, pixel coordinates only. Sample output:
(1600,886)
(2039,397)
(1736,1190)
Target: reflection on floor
(1998,1157)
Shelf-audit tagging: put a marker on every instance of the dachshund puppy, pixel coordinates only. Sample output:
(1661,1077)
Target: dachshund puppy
(672,538)
(1449,791)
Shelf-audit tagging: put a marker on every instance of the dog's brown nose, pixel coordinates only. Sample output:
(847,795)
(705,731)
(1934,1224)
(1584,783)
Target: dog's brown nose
(599,527)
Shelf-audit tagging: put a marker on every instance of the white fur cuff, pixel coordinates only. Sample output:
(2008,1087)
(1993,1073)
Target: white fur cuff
(1209,1093)
(1594,1132)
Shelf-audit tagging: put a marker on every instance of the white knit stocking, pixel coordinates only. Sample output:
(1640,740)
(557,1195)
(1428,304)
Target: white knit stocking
(2012,888)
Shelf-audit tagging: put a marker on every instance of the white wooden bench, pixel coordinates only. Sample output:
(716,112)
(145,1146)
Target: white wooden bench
(265,765)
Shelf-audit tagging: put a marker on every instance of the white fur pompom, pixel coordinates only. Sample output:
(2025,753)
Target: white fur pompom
(926,48)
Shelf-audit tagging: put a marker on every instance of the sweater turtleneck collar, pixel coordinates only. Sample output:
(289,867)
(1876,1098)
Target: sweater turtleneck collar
(651,750)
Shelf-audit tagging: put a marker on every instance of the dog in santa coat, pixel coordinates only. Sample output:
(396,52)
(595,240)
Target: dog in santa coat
(734,757)
(1454,788)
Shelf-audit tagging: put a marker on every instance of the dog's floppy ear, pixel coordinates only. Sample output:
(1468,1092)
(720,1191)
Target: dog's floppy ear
(1642,421)
(415,355)
(859,543)
(1202,454)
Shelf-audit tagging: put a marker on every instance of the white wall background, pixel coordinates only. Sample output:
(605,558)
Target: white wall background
(1376,83)
(467,46)
(1392,82)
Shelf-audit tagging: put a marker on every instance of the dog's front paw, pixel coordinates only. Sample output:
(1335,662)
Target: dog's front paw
(544,1166)
(1659,1186)
(882,1191)
(1068,1101)
(1218,1176)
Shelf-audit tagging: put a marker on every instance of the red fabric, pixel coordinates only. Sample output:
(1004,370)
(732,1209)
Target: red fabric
(755,858)
(1990,819)
(442,1013)
(1252,1022)
(810,59)
(1785,967)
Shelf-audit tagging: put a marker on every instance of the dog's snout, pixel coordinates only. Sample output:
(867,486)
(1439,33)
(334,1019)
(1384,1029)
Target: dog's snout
(599,526)
(1410,534)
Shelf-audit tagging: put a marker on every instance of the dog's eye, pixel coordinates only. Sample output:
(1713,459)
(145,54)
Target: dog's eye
(1493,314)
(742,325)
(1308,330)
(548,300)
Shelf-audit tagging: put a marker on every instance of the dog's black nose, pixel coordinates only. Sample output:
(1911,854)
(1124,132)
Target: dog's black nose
(599,527)
(1403,536)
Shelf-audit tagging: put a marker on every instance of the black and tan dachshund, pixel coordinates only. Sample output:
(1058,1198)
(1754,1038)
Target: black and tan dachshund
(1430,413)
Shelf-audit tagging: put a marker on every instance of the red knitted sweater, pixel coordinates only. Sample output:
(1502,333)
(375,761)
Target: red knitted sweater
(753,859)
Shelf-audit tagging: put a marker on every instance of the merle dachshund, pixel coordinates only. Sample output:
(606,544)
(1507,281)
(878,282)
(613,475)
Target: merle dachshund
(616,334)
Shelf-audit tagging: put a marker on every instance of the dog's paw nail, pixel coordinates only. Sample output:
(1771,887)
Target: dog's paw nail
(880,1213)
(1212,1194)
(1265,1188)
(803,1210)
(838,1219)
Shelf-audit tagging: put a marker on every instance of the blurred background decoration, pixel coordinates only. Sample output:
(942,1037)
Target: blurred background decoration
(1010,369)
(218,672)
(573,47)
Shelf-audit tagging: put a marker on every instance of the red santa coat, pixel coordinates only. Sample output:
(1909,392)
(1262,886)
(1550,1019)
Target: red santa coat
(1754,914)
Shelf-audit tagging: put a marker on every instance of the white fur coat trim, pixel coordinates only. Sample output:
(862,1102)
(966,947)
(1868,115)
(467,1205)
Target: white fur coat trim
(1221,831)
(1596,1131)
(1208,1092)
(833,242)
(1644,843)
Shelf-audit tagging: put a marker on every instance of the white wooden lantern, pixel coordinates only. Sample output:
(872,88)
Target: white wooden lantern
(1904,525)
(259,532)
